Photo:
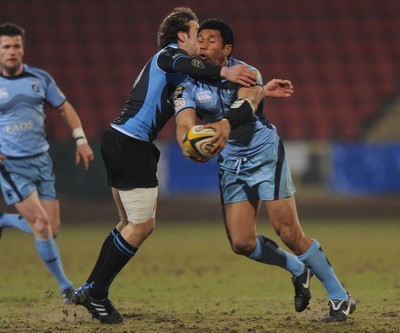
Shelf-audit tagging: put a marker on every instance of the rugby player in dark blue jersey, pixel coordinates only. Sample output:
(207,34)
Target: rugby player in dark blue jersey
(254,171)
(26,170)
(131,157)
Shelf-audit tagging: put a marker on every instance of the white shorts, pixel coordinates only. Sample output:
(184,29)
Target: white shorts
(139,203)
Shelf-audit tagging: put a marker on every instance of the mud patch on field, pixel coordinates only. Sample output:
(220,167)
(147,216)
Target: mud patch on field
(64,314)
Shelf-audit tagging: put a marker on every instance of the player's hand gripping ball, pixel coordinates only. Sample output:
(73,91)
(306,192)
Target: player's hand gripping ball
(195,142)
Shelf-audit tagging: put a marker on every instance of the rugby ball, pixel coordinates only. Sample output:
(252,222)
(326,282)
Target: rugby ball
(195,142)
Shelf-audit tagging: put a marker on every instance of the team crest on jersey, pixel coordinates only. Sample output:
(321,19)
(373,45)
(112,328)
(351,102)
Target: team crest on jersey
(3,92)
(179,103)
(36,86)
(204,96)
(198,63)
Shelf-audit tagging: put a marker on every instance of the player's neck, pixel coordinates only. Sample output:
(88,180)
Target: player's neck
(11,72)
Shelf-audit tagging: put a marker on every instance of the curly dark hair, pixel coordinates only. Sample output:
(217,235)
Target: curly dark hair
(11,29)
(177,20)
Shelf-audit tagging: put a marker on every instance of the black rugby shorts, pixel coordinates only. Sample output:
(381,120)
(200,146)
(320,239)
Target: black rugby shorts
(130,163)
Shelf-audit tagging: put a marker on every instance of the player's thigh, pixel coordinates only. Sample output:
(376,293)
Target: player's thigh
(284,219)
(140,204)
(240,220)
(31,209)
(282,212)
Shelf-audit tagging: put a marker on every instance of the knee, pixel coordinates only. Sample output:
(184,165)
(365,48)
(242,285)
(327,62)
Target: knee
(144,230)
(121,224)
(243,247)
(136,234)
(41,228)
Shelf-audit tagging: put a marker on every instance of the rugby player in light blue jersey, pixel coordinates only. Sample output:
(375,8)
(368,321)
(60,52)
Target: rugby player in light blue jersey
(26,170)
(253,169)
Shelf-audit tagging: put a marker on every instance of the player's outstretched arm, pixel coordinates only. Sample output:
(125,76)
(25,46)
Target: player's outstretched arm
(278,88)
(83,151)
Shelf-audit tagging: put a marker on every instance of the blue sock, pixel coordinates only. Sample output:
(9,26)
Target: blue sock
(15,221)
(319,265)
(268,252)
(48,251)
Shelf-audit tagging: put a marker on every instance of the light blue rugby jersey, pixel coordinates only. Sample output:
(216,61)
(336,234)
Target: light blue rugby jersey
(211,101)
(22,117)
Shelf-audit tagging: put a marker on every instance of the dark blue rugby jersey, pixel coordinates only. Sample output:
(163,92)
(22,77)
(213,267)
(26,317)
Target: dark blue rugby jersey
(148,107)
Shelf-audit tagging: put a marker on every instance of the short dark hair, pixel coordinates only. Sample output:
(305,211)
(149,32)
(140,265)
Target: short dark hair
(223,27)
(11,29)
(177,20)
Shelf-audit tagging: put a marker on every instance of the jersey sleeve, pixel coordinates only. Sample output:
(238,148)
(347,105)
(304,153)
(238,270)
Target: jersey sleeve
(259,78)
(182,98)
(55,97)
(257,74)
(178,61)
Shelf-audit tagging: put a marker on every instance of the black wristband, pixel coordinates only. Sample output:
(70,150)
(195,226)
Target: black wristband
(239,113)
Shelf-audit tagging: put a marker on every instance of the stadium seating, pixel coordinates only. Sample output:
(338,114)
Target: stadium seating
(343,56)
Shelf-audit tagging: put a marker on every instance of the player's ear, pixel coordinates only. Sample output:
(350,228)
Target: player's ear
(182,36)
(227,50)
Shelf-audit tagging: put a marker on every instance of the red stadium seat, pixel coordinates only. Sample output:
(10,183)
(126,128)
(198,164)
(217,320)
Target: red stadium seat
(341,55)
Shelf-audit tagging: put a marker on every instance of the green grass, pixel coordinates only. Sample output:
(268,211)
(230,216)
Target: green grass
(186,279)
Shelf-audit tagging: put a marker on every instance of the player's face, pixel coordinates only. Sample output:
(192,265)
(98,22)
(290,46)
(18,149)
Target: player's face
(11,53)
(192,47)
(212,48)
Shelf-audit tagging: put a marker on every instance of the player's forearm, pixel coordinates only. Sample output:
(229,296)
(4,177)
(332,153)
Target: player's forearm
(197,68)
(74,123)
(184,120)
(181,130)
(253,94)
(70,116)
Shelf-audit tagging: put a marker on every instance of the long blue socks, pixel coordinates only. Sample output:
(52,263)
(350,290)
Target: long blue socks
(14,221)
(268,252)
(50,254)
(319,265)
